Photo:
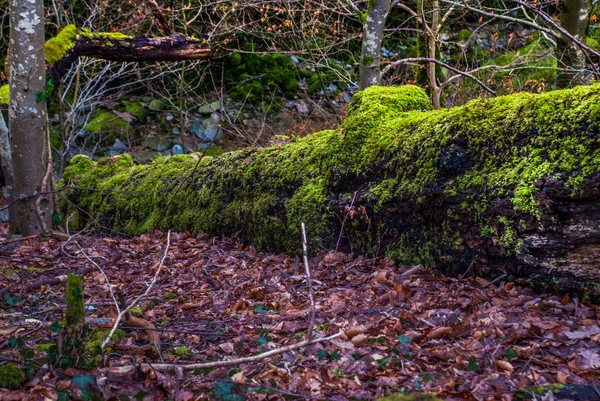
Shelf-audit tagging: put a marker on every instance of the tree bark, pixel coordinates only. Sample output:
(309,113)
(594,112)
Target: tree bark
(574,18)
(27,120)
(370,54)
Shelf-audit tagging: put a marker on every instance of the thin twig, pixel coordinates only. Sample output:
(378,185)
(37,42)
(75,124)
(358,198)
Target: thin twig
(136,300)
(311,294)
(494,281)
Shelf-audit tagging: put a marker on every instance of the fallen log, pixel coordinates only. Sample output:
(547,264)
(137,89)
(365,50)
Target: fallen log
(501,185)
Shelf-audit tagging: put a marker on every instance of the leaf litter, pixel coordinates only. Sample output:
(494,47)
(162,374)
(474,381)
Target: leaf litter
(460,339)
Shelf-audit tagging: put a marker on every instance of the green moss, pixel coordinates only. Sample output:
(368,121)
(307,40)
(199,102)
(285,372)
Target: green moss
(57,47)
(592,43)
(136,311)
(44,347)
(105,126)
(92,347)
(135,109)
(464,35)
(4,94)
(11,376)
(182,352)
(74,330)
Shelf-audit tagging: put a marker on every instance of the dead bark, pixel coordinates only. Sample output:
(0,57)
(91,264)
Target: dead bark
(172,48)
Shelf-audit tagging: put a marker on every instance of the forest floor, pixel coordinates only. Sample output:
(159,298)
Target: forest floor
(461,339)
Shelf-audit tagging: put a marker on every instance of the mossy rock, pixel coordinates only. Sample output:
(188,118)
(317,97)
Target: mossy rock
(134,108)
(433,187)
(11,376)
(104,127)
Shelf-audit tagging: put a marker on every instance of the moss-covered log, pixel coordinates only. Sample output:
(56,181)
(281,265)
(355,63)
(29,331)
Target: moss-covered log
(509,184)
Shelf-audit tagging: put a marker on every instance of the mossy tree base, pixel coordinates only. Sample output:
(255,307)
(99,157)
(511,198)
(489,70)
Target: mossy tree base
(510,184)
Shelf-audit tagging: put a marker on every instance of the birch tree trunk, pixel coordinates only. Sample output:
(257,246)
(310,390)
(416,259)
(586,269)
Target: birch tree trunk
(32,172)
(370,53)
(5,156)
(574,18)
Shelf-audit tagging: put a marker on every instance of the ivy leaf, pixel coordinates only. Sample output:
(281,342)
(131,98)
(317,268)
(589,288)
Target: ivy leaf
(56,219)
(385,360)
(62,395)
(11,300)
(472,364)
(322,354)
(404,340)
(82,381)
(226,391)
(262,341)
(55,327)
(511,354)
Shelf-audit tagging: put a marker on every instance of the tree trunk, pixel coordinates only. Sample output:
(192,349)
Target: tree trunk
(507,185)
(32,214)
(370,53)
(574,18)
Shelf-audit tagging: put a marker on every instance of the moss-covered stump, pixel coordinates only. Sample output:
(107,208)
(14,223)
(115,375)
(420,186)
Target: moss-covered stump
(510,184)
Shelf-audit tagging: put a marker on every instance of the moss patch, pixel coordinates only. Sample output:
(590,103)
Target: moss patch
(4,94)
(57,47)
(105,127)
(11,376)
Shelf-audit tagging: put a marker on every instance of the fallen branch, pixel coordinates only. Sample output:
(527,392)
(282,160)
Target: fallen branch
(219,364)
(311,294)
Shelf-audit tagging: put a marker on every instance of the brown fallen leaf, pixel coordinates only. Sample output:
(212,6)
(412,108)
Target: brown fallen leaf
(359,339)
(439,332)
(354,331)
(505,366)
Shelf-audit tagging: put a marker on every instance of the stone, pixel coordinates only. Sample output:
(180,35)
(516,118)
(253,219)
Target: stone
(207,130)
(209,108)
(146,157)
(158,144)
(177,150)
(157,105)
(302,108)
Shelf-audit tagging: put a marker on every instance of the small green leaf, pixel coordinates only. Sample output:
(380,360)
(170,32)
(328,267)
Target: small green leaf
(356,356)
(404,340)
(262,341)
(417,384)
(427,377)
(511,354)
(62,395)
(56,218)
(11,300)
(385,360)
(335,356)
(472,364)
(322,354)
(13,342)
(82,381)
(55,327)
